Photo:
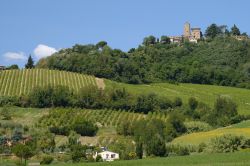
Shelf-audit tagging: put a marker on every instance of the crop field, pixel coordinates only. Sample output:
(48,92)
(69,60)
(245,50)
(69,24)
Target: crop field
(241,129)
(18,82)
(204,93)
(105,118)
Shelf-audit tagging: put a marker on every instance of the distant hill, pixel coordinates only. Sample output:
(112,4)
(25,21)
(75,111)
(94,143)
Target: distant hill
(221,61)
(18,82)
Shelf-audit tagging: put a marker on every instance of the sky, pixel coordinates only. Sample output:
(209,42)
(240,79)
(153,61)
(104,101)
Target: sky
(41,27)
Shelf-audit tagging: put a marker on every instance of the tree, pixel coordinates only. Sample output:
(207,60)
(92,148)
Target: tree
(212,31)
(193,103)
(165,40)
(23,152)
(11,67)
(235,30)
(73,138)
(101,44)
(149,40)
(30,63)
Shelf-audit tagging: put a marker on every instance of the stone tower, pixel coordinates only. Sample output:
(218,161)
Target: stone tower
(187,32)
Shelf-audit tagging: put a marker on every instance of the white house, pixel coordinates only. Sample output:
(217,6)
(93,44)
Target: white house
(107,155)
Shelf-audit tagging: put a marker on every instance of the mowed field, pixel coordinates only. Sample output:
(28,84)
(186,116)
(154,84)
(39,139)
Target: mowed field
(18,82)
(204,93)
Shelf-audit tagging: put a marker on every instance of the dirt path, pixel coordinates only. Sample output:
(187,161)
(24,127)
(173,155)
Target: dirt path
(100,83)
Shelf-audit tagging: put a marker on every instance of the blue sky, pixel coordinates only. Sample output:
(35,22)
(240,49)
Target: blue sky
(41,27)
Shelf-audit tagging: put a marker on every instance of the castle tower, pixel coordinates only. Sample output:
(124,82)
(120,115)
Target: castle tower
(187,32)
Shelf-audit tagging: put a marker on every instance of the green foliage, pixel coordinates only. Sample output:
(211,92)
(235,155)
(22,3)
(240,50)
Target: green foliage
(213,30)
(12,67)
(149,40)
(235,31)
(50,96)
(175,125)
(227,143)
(217,61)
(193,103)
(78,153)
(84,127)
(23,152)
(197,126)
(150,136)
(5,114)
(224,110)
(124,147)
(30,63)
(47,160)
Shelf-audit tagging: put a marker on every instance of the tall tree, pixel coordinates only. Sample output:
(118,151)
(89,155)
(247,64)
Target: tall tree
(213,30)
(165,40)
(235,30)
(149,40)
(30,63)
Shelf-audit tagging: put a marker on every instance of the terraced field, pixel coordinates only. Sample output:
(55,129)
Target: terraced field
(18,82)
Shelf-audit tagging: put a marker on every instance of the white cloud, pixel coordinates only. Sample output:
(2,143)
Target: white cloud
(14,56)
(42,51)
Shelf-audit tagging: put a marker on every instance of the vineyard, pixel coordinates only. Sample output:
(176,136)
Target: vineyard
(102,117)
(18,82)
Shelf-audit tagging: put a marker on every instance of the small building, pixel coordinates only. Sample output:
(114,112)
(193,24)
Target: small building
(107,155)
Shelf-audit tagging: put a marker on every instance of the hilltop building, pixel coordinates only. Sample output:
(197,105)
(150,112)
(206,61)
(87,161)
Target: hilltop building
(190,34)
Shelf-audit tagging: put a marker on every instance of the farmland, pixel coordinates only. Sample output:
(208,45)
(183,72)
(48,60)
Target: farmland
(18,82)
(203,93)
(241,129)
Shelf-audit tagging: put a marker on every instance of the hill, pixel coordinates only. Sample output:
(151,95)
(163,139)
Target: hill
(203,93)
(220,61)
(18,82)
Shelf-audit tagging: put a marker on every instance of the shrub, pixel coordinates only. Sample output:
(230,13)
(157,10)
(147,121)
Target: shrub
(197,126)
(227,143)
(85,128)
(179,150)
(177,102)
(98,158)
(47,160)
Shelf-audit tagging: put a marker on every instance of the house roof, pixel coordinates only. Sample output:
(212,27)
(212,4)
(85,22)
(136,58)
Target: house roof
(107,152)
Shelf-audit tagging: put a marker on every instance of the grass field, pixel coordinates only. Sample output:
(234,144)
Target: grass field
(242,128)
(204,93)
(230,159)
(18,82)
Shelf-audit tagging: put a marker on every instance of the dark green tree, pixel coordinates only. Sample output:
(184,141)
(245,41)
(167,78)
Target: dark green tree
(212,31)
(101,44)
(23,152)
(165,39)
(30,63)
(235,30)
(149,40)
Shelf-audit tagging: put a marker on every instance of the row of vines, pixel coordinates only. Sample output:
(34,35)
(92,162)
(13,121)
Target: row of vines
(59,117)
(19,82)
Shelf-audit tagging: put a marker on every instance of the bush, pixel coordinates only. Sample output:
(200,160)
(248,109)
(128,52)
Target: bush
(47,160)
(179,150)
(85,128)
(177,102)
(197,126)
(227,143)
(98,158)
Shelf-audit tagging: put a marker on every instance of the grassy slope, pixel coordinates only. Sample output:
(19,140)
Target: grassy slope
(18,82)
(204,93)
(242,128)
(238,158)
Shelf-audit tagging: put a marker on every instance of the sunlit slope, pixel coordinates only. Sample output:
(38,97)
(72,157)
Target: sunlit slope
(241,129)
(204,93)
(18,82)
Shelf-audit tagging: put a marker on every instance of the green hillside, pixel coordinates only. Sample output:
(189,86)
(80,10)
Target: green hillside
(18,82)
(204,93)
